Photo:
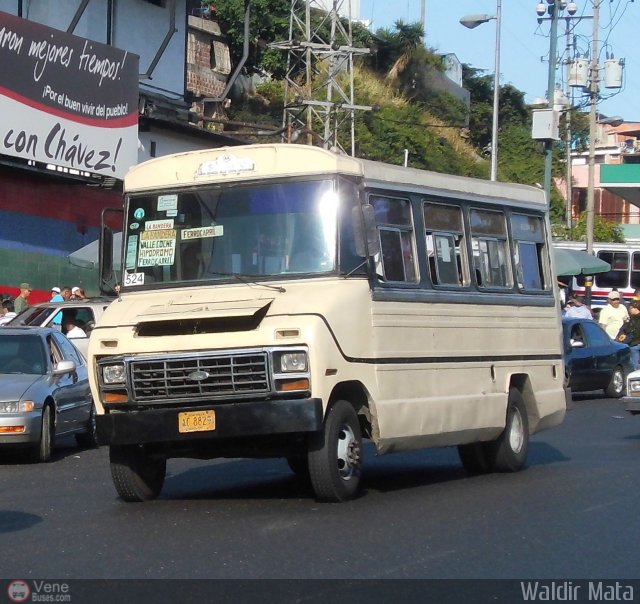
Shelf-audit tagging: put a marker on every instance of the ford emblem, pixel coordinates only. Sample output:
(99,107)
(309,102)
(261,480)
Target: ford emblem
(198,376)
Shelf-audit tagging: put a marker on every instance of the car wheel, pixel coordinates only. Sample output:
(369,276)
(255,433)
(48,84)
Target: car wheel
(508,453)
(89,439)
(615,389)
(136,475)
(42,451)
(335,455)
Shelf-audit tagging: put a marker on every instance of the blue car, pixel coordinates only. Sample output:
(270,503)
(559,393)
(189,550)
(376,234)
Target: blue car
(594,361)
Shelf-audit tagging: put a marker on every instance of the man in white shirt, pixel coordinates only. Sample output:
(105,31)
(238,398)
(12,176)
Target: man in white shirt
(6,312)
(578,309)
(72,329)
(613,315)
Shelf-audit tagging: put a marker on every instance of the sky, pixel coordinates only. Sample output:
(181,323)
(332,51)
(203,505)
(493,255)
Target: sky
(524,44)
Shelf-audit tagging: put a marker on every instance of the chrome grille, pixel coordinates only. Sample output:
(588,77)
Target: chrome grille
(231,375)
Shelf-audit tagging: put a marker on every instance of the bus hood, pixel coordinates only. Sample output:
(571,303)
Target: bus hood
(234,302)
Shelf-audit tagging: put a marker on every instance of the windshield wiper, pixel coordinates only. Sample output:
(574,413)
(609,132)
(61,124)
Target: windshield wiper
(243,279)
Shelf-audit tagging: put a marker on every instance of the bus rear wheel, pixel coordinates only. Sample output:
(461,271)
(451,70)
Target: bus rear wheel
(335,455)
(136,475)
(508,453)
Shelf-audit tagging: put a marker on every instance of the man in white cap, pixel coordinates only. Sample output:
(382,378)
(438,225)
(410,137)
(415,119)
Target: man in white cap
(613,315)
(56,322)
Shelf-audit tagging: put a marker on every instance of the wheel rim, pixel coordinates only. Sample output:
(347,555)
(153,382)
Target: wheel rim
(516,431)
(348,453)
(618,381)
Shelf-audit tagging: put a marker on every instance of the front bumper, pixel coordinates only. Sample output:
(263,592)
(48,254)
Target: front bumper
(233,420)
(32,422)
(632,405)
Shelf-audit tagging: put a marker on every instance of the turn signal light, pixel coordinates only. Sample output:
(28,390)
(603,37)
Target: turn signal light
(12,429)
(114,397)
(286,386)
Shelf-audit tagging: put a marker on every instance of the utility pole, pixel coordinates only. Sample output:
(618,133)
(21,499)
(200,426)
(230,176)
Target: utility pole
(568,174)
(551,87)
(319,83)
(593,114)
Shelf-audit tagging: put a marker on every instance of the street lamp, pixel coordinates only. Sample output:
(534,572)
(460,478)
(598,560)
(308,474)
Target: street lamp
(471,21)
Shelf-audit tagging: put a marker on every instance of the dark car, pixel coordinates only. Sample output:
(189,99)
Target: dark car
(594,361)
(44,391)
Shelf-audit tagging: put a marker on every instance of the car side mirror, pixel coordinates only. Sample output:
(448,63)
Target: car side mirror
(64,367)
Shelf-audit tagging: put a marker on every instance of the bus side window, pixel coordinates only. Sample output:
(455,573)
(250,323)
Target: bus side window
(445,243)
(397,242)
(490,248)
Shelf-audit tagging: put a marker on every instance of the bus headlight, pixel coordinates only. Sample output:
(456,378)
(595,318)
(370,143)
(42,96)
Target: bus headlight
(113,374)
(291,362)
(290,369)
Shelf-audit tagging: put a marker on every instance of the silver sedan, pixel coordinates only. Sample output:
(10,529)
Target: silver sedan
(44,391)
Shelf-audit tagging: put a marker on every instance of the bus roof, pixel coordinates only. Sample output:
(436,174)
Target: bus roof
(251,162)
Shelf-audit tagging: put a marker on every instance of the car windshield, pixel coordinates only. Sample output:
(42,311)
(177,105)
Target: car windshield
(209,233)
(22,354)
(35,315)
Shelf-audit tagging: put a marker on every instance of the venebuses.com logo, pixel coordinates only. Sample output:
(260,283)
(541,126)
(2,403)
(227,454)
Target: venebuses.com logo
(18,591)
(38,591)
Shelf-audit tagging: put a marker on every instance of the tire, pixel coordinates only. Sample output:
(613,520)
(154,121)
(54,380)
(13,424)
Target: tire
(41,453)
(508,453)
(299,466)
(335,455)
(474,458)
(615,389)
(89,439)
(136,475)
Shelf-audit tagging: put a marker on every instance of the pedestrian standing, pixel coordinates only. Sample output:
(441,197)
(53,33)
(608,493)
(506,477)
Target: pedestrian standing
(22,299)
(6,312)
(55,295)
(630,332)
(613,315)
(77,293)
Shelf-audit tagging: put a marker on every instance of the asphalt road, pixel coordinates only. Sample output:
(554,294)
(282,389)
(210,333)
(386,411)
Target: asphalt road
(572,513)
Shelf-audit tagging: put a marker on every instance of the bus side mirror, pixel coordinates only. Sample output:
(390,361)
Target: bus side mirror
(105,258)
(364,226)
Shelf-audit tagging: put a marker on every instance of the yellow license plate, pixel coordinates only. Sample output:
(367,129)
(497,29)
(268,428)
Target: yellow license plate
(196,421)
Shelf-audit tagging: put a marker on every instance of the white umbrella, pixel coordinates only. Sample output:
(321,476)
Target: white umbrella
(87,256)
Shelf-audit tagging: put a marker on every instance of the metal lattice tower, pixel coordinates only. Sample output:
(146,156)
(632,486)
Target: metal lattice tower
(318,96)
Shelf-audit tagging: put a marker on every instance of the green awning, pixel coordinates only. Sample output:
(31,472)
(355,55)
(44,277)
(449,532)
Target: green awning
(578,262)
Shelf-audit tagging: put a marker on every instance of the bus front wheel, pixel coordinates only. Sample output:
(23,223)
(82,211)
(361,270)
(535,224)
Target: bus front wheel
(136,475)
(335,455)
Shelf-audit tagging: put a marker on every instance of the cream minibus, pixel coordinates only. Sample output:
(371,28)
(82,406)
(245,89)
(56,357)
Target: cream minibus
(286,301)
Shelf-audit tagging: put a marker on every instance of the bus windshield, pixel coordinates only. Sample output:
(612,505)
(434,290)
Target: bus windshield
(213,232)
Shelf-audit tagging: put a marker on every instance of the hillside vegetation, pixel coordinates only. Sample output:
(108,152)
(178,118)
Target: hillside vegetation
(436,129)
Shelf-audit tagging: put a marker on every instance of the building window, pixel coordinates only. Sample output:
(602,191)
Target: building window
(212,56)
